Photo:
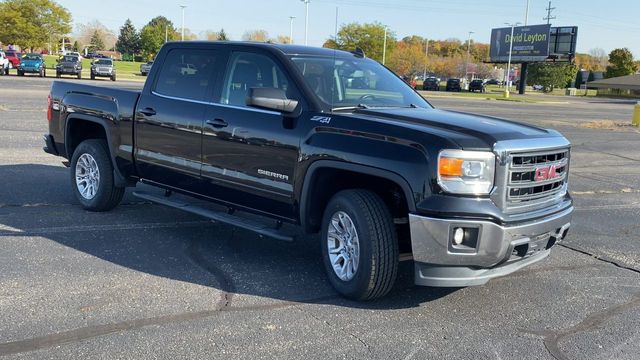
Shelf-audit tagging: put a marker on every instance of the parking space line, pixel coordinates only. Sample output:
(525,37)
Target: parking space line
(6,231)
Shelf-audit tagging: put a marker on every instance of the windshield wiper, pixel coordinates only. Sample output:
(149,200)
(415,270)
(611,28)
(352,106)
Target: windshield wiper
(353,107)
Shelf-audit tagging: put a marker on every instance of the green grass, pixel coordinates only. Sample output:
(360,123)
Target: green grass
(127,70)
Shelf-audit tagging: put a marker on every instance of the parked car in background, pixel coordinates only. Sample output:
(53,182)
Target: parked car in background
(477,85)
(75,53)
(4,64)
(493,82)
(453,85)
(32,63)
(145,68)
(411,81)
(538,87)
(103,68)
(431,84)
(14,58)
(69,65)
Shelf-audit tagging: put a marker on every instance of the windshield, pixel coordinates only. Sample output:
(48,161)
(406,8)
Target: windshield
(31,57)
(70,59)
(103,62)
(356,82)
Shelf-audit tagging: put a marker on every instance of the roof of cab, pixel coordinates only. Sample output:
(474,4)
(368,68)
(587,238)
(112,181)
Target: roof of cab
(287,49)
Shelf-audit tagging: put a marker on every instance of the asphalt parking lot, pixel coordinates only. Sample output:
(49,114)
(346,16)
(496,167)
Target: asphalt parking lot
(144,281)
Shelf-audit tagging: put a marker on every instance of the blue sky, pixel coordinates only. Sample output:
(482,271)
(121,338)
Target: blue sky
(604,24)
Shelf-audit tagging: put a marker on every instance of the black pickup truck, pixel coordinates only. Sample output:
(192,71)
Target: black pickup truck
(328,140)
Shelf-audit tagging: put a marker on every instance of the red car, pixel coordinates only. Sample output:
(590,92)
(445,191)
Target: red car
(14,58)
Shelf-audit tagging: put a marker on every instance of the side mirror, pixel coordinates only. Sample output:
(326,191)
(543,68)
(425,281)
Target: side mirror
(272,99)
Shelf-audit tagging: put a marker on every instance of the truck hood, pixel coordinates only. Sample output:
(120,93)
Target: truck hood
(470,131)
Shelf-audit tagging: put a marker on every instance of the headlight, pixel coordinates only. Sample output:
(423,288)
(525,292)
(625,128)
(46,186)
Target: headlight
(466,172)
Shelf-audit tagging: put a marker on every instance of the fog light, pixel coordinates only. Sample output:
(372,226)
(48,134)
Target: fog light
(458,236)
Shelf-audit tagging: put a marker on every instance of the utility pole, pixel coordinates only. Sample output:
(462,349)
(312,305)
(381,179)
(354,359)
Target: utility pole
(384,45)
(466,61)
(183,6)
(526,14)
(426,55)
(306,21)
(549,17)
(508,75)
(291,29)
(166,33)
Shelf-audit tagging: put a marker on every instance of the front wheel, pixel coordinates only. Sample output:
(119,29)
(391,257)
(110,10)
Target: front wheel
(92,176)
(113,78)
(359,245)
(79,75)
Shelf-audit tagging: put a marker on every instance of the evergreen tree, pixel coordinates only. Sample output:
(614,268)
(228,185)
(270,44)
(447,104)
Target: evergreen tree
(222,36)
(622,63)
(128,40)
(96,41)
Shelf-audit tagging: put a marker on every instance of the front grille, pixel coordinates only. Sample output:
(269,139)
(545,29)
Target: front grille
(536,179)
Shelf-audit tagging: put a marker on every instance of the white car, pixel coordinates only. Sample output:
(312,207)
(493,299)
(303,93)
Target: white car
(4,64)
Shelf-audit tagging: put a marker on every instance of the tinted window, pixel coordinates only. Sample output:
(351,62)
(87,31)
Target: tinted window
(249,70)
(186,73)
(70,59)
(103,62)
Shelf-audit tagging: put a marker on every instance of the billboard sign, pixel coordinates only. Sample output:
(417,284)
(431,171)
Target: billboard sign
(530,43)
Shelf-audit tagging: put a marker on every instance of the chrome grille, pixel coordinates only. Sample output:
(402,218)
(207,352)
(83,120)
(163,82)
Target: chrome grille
(536,179)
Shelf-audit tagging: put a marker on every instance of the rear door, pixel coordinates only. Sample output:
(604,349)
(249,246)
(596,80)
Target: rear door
(170,115)
(250,154)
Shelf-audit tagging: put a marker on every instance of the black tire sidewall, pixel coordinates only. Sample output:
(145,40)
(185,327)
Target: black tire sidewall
(98,150)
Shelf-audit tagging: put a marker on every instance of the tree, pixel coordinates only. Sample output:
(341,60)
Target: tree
(152,35)
(600,58)
(408,58)
(551,75)
(86,34)
(31,23)
(222,36)
(255,35)
(96,41)
(76,46)
(622,63)
(129,39)
(368,37)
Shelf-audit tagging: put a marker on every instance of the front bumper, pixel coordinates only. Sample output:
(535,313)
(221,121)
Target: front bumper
(68,71)
(498,250)
(28,69)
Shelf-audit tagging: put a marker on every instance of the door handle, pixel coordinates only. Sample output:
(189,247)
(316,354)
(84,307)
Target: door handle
(148,111)
(217,123)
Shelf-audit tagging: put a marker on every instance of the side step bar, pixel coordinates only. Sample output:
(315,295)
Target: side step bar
(223,217)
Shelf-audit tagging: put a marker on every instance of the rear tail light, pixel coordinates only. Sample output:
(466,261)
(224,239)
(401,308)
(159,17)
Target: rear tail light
(49,108)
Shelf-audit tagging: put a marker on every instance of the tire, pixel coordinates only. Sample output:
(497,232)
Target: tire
(79,75)
(113,78)
(377,244)
(103,195)
(41,72)
(93,76)
(57,75)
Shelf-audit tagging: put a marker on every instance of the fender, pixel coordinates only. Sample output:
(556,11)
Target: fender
(119,178)
(363,169)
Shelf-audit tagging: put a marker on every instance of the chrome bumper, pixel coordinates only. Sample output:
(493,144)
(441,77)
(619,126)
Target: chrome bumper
(499,250)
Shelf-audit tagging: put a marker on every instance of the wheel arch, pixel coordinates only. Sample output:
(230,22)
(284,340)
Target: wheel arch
(313,201)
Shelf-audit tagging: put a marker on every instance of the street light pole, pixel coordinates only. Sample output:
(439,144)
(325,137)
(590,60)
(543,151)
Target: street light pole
(526,14)
(466,62)
(183,6)
(291,29)
(384,45)
(508,76)
(426,56)
(306,21)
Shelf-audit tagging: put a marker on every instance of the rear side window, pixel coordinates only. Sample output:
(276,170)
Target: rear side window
(187,74)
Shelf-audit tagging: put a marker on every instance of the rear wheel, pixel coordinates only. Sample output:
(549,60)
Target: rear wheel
(92,176)
(359,245)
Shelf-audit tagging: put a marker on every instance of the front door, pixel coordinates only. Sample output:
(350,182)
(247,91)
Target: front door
(170,117)
(249,154)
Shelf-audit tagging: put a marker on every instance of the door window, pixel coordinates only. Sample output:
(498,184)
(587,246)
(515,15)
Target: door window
(187,74)
(250,70)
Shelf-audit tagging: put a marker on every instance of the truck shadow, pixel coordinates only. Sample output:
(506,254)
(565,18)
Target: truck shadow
(164,242)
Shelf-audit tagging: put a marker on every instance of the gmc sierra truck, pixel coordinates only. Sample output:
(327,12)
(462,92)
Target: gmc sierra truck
(327,140)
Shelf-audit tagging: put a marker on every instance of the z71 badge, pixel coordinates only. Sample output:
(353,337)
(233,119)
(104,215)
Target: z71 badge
(321,119)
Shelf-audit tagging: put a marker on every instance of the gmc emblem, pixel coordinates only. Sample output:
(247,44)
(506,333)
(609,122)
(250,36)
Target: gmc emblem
(546,173)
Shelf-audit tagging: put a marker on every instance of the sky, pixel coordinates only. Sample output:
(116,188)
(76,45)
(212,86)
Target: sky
(601,24)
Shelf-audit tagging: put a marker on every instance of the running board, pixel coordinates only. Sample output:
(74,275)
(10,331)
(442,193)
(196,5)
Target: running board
(223,217)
